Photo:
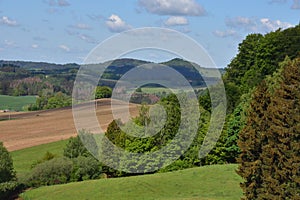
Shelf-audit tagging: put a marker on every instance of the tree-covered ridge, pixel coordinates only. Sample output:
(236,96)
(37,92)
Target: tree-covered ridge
(259,55)
(21,78)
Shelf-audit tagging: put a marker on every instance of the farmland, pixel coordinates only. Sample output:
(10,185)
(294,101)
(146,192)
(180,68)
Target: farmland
(41,127)
(16,103)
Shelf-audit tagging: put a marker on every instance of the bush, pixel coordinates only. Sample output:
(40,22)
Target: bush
(8,188)
(85,168)
(75,148)
(63,170)
(7,172)
(8,185)
(103,92)
(55,171)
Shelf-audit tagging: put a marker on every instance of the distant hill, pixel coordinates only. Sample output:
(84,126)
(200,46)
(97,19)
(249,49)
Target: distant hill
(39,65)
(21,78)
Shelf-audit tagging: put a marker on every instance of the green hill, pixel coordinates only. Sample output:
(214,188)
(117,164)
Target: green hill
(207,183)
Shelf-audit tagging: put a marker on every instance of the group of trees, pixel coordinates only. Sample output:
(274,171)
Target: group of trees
(261,131)
(262,125)
(19,81)
(103,92)
(269,142)
(76,164)
(49,100)
(259,56)
(136,142)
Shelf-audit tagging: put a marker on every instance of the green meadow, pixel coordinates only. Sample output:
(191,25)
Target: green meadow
(16,103)
(23,159)
(216,182)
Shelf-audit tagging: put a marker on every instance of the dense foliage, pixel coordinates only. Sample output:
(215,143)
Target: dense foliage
(8,184)
(77,164)
(29,78)
(18,79)
(103,92)
(259,56)
(269,142)
(49,100)
(162,138)
(7,172)
(261,130)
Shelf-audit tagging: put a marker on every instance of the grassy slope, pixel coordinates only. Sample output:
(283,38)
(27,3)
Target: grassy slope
(15,103)
(24,158)
(207,183)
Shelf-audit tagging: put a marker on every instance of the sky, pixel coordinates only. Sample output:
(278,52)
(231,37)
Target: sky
(65,31)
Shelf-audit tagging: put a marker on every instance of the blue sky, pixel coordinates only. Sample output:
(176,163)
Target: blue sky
(63,31)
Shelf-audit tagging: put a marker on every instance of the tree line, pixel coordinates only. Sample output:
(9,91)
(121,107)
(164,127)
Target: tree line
(261,131)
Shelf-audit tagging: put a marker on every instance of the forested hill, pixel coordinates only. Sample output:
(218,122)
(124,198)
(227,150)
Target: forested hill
(28,65)
(29,78)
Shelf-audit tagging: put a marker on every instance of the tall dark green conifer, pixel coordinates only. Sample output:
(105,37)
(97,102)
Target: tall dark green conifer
(281,155)
(251,140)
(270,141)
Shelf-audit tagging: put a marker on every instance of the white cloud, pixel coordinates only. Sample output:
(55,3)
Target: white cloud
(9,22)
(116,24)
(176,20)
(173,7)
(224,34)
(64,47)
(270,25)
(262,25)
(34,46)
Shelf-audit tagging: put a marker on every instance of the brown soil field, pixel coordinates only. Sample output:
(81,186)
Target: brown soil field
(29,129)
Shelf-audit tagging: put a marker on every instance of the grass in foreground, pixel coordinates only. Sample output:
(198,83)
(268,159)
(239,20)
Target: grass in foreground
(205,183)
(15,103)
(23,159)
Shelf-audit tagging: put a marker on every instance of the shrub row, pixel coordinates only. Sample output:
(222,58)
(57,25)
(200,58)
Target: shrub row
(63,170)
